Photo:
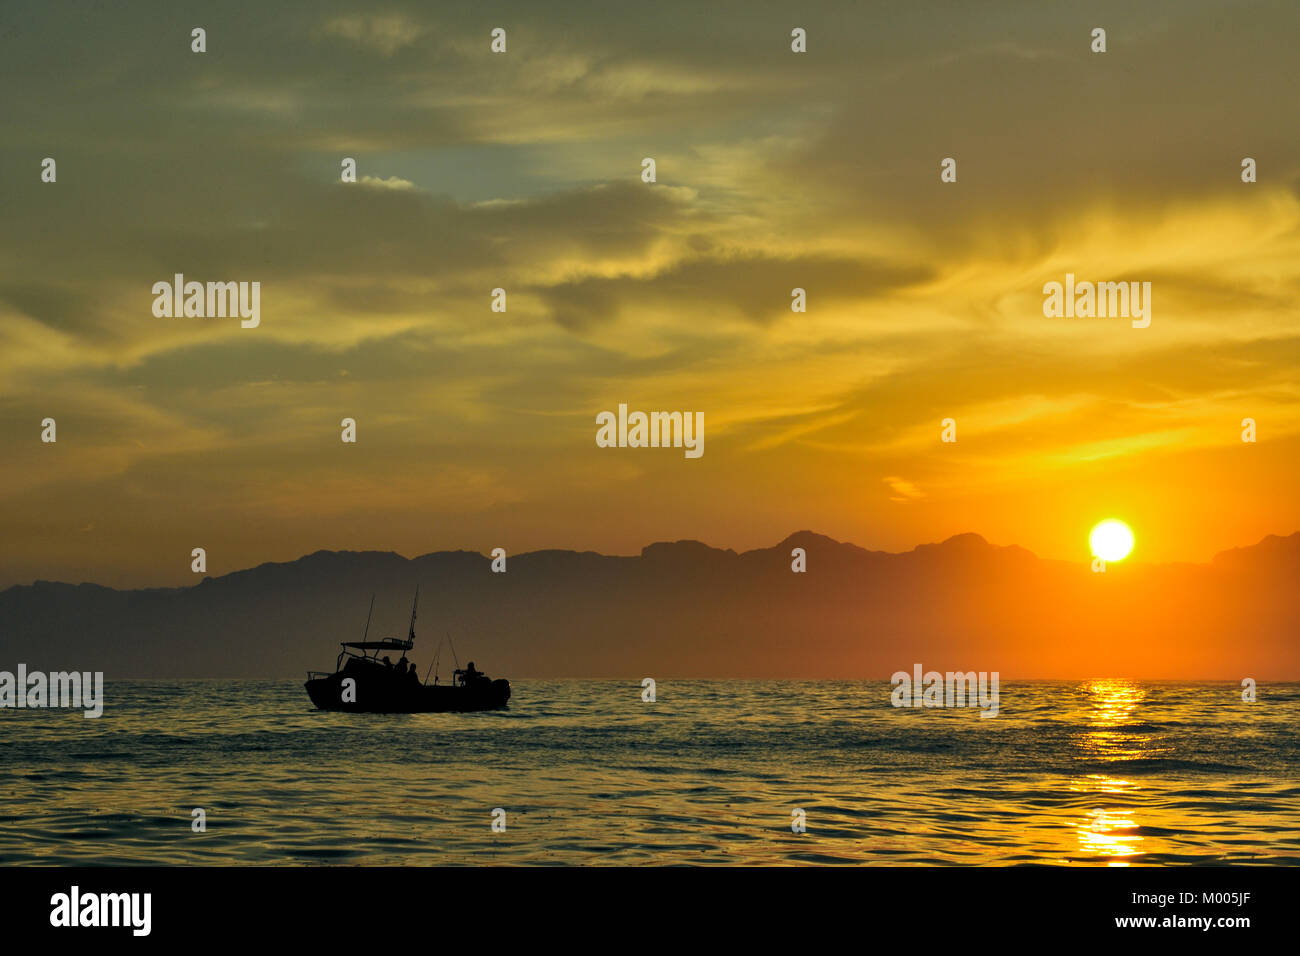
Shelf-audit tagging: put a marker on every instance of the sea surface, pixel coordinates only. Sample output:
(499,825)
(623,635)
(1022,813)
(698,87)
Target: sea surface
(1105,772)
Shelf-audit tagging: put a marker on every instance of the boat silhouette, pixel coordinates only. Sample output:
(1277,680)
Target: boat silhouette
(366,682)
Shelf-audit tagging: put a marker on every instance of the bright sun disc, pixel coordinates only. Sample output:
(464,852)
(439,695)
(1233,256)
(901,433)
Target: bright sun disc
(1111,540)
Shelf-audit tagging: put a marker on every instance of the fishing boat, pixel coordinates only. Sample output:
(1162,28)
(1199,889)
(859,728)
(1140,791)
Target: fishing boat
(367,680)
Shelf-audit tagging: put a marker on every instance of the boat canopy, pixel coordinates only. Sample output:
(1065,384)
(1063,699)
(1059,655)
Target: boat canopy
(388,643)
(369,650)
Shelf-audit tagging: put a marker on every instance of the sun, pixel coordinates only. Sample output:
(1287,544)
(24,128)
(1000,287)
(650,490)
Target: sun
(1111,540)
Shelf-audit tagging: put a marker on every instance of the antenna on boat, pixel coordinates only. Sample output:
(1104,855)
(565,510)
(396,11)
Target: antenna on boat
(411,636)
(368,616)
(436,655)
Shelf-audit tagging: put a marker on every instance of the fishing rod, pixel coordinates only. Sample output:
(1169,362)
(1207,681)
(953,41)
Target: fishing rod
(411,634)
(432,663)
(369,616)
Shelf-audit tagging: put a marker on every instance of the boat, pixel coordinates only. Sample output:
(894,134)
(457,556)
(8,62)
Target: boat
(366,680)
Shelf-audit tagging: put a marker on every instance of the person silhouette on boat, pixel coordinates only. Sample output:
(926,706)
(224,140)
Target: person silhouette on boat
(387,663)
(471,674)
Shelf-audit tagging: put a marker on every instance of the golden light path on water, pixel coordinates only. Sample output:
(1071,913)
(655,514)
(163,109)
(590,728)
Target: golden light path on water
(1109,832)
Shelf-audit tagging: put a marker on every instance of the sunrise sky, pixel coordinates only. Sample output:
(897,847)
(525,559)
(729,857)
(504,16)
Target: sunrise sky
(522,170)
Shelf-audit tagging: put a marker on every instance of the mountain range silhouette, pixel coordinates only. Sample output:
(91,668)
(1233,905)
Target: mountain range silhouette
(687,610)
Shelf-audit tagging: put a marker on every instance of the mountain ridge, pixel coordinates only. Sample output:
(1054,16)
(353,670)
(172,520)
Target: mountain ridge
(1272,542)
(688,609)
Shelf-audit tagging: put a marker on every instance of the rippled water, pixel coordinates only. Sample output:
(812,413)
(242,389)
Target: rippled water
(1094,772)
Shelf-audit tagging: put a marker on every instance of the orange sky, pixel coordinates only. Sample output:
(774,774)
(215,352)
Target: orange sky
(522,171)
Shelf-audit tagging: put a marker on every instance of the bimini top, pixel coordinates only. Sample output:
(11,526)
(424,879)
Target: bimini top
(388,643)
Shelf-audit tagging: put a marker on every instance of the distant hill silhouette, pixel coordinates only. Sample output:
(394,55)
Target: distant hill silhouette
(684,609)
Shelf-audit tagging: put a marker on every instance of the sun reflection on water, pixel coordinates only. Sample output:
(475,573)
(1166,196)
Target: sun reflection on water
(1108,833)
(1111,707)
(1111,833)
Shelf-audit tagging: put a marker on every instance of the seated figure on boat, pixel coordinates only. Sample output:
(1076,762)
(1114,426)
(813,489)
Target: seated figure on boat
(469,676)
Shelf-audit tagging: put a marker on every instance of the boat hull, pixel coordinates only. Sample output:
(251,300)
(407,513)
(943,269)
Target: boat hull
(375,694)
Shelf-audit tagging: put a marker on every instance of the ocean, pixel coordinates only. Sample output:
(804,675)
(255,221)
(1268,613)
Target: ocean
(1104,772)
